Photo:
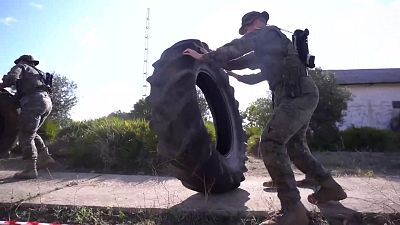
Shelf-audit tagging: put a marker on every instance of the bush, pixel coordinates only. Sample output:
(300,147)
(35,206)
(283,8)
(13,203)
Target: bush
(111,144)
(211,131)
(370,139)
(326,138)
(253,135)
(49,130)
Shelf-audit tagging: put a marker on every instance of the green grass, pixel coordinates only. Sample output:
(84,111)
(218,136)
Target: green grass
(90,215)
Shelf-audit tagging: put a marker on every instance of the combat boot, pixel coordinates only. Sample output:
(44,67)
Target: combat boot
(329,191)
(295,214)
(307,182)
(269,184)
(45,161)
(30,171)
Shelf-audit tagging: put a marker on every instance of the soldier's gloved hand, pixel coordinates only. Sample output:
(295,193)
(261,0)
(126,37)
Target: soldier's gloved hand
(232,74)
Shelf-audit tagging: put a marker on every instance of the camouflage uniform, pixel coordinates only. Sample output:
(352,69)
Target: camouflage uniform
(35,107)
(295,98)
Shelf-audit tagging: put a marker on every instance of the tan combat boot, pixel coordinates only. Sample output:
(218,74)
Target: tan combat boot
(30,171)
(295,214)
(45,161)
(329,191)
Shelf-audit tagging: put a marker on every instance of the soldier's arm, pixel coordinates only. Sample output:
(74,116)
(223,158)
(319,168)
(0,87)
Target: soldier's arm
(11,77)
(268,41)
(233,50)
(248,79)
(246,61)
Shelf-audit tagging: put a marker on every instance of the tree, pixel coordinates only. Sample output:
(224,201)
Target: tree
(141,110)
(258,113)
(203,105)
(122,115)
(329,112)
(63,98)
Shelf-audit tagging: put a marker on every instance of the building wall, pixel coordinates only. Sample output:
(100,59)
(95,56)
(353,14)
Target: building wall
(372,105)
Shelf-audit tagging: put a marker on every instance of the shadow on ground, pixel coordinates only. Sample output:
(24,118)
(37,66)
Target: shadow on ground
(234,201)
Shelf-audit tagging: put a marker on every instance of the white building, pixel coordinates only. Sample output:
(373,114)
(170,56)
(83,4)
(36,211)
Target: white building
(376,96)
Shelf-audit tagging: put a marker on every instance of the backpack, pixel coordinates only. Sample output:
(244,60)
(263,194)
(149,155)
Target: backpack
(300,42)
(46,78)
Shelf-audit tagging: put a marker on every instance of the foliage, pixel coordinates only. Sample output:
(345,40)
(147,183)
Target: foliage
(253,135)
(258,113)
(122,115)
(329,112)
(211,131)
(203,105)
(141,110)
(111,144)
(370,139)
(63,98)
(49,130)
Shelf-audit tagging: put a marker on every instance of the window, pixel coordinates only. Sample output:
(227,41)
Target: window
(396,104)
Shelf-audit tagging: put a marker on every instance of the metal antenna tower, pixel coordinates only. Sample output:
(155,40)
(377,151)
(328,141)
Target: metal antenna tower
(146,54)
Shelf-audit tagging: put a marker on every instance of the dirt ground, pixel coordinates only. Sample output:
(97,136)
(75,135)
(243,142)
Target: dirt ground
(368,164)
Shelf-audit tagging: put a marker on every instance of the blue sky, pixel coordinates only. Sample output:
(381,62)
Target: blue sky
(99,43)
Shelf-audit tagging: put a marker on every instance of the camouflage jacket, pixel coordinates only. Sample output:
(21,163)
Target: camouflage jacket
(266,48)
(30,78)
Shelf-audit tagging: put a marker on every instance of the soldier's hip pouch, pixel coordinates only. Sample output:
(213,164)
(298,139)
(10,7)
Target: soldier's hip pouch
(292,81)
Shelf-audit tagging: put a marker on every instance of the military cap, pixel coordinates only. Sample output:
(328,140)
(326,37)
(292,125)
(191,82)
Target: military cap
(26,58)
(248,18)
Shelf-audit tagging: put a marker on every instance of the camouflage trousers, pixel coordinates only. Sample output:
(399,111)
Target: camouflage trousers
(34,110)
(285,136)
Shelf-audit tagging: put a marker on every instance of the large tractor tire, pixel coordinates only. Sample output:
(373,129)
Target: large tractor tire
(183,140)
(8,122)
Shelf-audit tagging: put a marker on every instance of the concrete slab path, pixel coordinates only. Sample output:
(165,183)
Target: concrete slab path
(366,195)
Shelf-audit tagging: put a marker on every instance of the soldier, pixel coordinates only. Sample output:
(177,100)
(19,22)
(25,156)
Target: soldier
(36,105)
(295,99)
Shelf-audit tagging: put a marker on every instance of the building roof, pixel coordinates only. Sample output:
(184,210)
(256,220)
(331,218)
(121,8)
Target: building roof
(367,76)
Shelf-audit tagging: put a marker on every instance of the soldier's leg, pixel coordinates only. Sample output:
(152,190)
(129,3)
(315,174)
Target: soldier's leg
(29,122)
(288,118)
(40,145)
(44,159)
(303,159)
(281,127)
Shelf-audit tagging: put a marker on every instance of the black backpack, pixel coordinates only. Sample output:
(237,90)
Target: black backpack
(300,42)
(48,80)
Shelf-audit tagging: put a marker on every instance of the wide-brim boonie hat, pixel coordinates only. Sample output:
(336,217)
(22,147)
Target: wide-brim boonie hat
(248,18)
(27,58)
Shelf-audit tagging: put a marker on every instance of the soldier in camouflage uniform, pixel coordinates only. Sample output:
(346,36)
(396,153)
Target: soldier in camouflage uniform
(35,107)
(295,99)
